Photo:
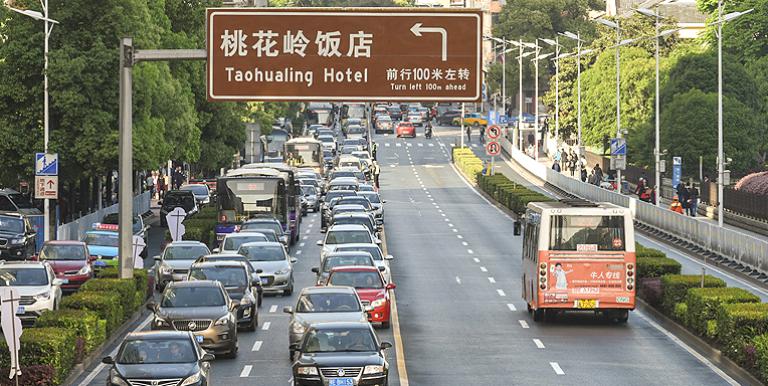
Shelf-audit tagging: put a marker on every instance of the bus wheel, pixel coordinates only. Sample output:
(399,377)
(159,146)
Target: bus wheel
(538,315)
(621,317)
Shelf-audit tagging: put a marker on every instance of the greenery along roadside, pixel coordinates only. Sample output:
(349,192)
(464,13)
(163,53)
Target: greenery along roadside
(64,337)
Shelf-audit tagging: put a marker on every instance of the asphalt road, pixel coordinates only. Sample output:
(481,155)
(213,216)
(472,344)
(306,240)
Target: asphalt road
(459,308)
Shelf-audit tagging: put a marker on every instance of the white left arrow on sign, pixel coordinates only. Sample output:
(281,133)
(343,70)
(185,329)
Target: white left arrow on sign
(417,30)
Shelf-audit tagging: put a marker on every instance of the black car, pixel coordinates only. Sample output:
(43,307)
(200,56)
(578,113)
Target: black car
(17,237)
(395,113)
(177,199)
(340,354)
(159,358)
(240,285)
(447,117)
(255,278)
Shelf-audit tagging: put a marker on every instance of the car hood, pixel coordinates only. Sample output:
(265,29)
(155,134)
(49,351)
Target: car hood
(341,359)
(66,265)
(179,264)
(175,313)
(10,235)
(32,290)
(370,294)
(236,293)
(319,317)
(104,251)
(269,267)
(157,371)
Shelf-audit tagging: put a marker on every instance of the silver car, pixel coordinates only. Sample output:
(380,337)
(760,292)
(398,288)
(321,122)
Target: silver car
(233,241)
(272,262)
(174,263)
(323,304)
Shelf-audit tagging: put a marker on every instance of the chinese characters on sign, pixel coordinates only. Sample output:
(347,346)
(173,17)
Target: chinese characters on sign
(394,54)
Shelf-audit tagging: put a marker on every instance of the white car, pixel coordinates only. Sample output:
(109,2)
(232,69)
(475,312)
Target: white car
(345,234)
(38,287)
(415,118)
(233,241)
(378,257)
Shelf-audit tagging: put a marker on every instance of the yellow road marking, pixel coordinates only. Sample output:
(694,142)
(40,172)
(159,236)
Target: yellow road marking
(399,348)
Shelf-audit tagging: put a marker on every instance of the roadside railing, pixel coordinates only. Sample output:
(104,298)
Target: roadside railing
(76,229)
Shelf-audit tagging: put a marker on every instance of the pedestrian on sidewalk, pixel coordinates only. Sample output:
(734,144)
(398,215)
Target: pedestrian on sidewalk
(556,166)
(161,186)
(641,182)
(469,133)
(583,173)
(482,134)
(558,156)
(151,185)
(572,163)
(155,185)
(374,150)
(376,172)
(684,197)
(675,206)
(598,172)
(693,200)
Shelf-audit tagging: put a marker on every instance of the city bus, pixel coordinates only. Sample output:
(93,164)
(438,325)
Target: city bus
(292,188)
(578,255)
(305,152)
(242,196)
(275,141)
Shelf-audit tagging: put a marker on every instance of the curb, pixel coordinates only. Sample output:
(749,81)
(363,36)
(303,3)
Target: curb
(98,353)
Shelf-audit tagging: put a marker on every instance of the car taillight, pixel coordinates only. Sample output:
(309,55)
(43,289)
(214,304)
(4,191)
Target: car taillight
(543,276)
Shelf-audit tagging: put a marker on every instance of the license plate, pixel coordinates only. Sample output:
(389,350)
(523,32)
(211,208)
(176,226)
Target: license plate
(341,382)
(586,304)
(199,338)
(20,310)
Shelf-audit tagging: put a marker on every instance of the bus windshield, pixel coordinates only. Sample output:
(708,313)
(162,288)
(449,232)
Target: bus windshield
(587,233)
(304,154)
(251,196)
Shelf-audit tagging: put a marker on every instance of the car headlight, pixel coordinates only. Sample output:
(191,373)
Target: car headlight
(165,270)
(283,271)
(17,241)
(376,369)
(307,370)
(378,303)
(191,380)
(116,380)
(43,296)
(222,321)
(85,270)
(160,322)
(298,328)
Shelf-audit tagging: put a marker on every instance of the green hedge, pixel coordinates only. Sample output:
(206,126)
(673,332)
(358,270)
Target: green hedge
(51,346)
(641,251)
(705,303)
(675,288)
(648,267)
(85,324)
(140,276)
(760,344)
(510,194)
(125,288)
(467,162)
(737,325)
(107,305)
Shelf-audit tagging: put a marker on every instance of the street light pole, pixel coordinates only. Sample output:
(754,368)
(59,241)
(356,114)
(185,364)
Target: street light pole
(657,149)
(536,100)
(720,165)
(615,26)
(557,90)
(520,89)
(504,75)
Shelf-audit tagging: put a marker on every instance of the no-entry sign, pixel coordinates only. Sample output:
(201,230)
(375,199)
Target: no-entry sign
(368,54)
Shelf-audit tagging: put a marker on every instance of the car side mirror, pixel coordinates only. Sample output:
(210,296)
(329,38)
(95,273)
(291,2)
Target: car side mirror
(316,269)
(382,268)
(233,305)
(383,201)
(288,309)
(294,260)
(378,241)
(391,286)
(385,345)
(107,360)
(319,243)
(152,306)
(156,258)
(388,257)
(208,357)
(259,270)
(216,250)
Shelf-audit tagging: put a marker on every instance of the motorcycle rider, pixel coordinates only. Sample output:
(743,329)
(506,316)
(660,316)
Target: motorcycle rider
(428,130)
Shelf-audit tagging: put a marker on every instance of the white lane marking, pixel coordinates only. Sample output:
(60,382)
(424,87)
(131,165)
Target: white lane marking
(458,280)
(399,144)
(307,231)
(447,219)
(273,309)
(304,237)
(455,230)
(301,245)
(431,145)
(557,368)
(97,370)
(538,343)
(501,293)
(511,307)
(437,206)
(691,351)
(429,195)
(431,199)
(298,252)
(421,145)
(246,371)
(523,323)
(492,280)
(266,325)
(442,214)
(410,144)
(464,243)
(476,260)
(393,166)
(474,145)
(460,236)
(471,252)
(450,225)
(386,145)
(484,269)
(257,345)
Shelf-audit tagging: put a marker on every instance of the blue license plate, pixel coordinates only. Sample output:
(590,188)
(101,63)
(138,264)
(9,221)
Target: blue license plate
(341,382)
(199,338)
(20,310)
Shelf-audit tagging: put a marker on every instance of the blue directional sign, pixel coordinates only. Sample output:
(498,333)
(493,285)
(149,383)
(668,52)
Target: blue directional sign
(618,147)
(46,164)
(677,171)
(503,120)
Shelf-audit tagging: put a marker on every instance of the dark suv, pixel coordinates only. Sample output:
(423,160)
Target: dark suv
(17,237)
(239,283)
(173,199)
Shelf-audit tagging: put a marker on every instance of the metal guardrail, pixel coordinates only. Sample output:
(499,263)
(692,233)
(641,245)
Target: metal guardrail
(76,229)
(746,250)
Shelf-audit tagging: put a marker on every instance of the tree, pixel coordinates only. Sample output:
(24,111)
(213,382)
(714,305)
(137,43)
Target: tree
(744,37)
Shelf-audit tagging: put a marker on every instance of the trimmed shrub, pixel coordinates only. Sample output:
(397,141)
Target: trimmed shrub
(649,289)
(680,312)
(760,344)
(194,233)
(126,289)
(49,346)
(648,267)
(641,251)
(106,305)
(141,276)
(737,324)
(675,288)
(35,375)
(85,324)
(705,303)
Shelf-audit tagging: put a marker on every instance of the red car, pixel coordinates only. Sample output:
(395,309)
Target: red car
(405,129)
(70,260)
(370,287)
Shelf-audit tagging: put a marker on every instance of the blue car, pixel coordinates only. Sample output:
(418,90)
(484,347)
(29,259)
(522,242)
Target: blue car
(102,244)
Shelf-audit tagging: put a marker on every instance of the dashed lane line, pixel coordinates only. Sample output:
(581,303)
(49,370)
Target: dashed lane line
(557,368)
(273,309)
(257,345)
(492,280)
(484,269)
(246,371)
(458,279)
(501,293)
(471,252)
(511,307)
(476,259)
(523,323)
(464,243)
(266,326)
(538,343)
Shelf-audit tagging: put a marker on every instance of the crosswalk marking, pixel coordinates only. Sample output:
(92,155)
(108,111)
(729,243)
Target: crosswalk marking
(398,144)
(431,145)
(257,345)
(421,145)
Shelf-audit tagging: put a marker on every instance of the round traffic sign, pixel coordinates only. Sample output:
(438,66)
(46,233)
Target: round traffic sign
(494,132)
(493,148)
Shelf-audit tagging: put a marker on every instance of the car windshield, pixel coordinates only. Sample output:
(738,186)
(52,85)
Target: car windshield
(157,351)
(193,297)
(373,198)
(100,239)
(357,279)
(339,340)
(263,252)
(308,191)
(63,252)
(23,277)
(339,261)
(228,276)
(20,201)
(348,237)
(197,190)
(255,226)
(325,139)
(373,250)
(348,209)
(178,200)
(355,220)
(11,224)
(328,302)
(331,195)
(233,243)
(185,252)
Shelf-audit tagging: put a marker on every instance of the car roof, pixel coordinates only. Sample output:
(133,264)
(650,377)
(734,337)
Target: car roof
(261,220)
(157,335)
(357,245)
(341,325)
(179,192)
(223,256)
(328,289)
(219,264)
(260,230)
(23,264)
(348,227)
(351,214)
(104,233)
(63,242)
(263,244)
(185,243)
(247,233)
(354,268)
(195,283)
(347,253)
(339,207)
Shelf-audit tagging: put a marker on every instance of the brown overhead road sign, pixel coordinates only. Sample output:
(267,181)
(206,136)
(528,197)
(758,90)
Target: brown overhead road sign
(390,54)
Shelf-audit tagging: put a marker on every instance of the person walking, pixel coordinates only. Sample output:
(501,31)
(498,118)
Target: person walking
(376,172)
(598,172)
(684,197)
(558,157)
(572,163)
(693,200)
(469,133)
(151,185)
(374,150)
(482,134)
(556,166)
(583,173)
